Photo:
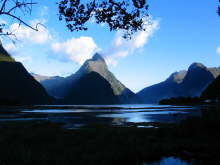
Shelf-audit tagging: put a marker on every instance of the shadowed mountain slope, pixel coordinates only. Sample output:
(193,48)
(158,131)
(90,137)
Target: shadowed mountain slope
(97,91)
(184,83)
(52,84)
(17,86)
(97,64)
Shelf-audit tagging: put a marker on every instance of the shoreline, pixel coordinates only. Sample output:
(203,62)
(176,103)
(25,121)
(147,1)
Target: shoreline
(92,107)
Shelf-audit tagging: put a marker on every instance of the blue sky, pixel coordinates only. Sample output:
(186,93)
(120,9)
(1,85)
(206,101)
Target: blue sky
(182,32)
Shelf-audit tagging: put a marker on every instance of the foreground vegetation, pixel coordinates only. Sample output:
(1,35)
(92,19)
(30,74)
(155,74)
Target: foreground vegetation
(183,101)
(195,139)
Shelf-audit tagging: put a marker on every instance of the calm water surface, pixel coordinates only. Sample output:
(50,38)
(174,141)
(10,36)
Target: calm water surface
(169,161)
(76,116)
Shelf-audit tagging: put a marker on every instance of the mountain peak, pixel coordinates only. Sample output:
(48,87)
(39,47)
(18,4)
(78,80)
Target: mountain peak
(97,64)
(196,65)
(97,57)
(177,76)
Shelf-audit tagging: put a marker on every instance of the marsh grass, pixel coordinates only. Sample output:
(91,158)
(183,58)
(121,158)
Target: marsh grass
(195,139)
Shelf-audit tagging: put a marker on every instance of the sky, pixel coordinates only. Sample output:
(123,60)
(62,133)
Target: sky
(181,32)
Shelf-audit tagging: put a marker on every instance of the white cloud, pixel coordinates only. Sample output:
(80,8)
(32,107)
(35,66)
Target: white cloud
(76,49)
(122,47)
(218,50)
(15,50)
(23,58)
(10,47)
(2,21)
(24,33)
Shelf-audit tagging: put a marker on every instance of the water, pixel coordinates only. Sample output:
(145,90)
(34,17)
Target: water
(169,161)
(75,116)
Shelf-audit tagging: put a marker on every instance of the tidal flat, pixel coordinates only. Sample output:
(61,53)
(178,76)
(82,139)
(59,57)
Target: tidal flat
(195,140)
(73,116)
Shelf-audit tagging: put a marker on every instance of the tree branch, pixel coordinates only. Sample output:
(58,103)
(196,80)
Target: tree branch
(20,20)
(20,5)
(9,8)
(3,6)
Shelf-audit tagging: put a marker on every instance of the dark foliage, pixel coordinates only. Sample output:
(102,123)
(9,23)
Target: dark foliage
(9,102)
(213,90)
(182,101)
(117,14)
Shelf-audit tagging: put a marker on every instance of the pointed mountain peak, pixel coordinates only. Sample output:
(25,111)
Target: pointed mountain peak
(95,64)
(97,57)
(196,65)
(177,76)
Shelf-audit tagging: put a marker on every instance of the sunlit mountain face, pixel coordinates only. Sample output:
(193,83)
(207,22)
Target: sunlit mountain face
(94,69)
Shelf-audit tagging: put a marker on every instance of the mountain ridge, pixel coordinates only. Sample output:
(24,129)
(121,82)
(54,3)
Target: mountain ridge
(184,83)
(98,65)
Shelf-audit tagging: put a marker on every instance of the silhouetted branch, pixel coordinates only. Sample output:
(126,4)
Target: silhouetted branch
(3,5)
(9,8)
(19,5)
(20,20)
(127,15)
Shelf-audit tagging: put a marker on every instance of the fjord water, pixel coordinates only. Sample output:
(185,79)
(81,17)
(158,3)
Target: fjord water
(169,161)
(76,116)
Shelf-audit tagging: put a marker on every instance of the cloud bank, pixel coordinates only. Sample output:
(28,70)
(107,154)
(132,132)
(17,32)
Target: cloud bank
(23,33)
(76,49)
(121,47)
(218,50)
(79,49)
(24,36)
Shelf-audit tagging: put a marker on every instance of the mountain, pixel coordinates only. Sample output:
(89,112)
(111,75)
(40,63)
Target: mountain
(91,88)
(213,90)
(4,56)
(17,86)
(65,87)
(197,79)
(184,83)
(52,84)
(165,89)
(97,64)
(40,78)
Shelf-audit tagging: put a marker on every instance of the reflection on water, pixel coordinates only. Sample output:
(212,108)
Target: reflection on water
(114,105)
(22,119)
(100,115)
(169,161)
(138,117)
